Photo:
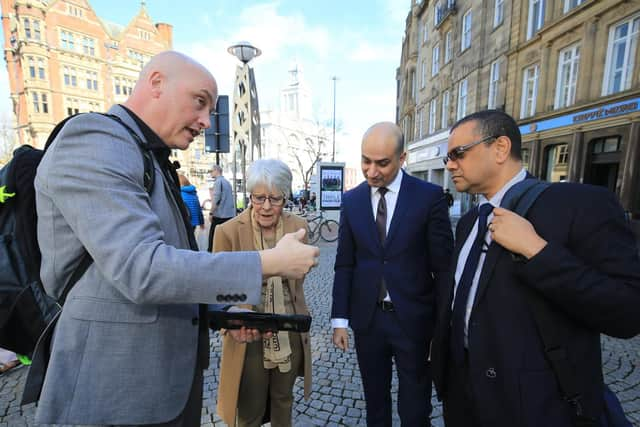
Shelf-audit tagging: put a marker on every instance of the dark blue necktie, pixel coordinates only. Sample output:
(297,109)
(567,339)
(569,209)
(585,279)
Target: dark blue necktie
(464,286)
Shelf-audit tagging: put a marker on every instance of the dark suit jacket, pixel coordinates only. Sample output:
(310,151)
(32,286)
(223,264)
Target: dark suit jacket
(589,273)
(416,254)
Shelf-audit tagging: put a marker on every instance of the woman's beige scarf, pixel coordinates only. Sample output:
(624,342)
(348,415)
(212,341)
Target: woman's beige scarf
(277,349)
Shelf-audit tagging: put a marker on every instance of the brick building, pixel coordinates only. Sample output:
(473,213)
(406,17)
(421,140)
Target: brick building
(63,59)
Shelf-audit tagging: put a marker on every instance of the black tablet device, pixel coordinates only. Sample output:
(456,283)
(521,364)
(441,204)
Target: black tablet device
(264,322)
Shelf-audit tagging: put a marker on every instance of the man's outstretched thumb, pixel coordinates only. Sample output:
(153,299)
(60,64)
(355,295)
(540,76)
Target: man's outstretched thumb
(299,235)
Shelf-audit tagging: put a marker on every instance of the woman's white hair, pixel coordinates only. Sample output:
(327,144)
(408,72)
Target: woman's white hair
(272,173)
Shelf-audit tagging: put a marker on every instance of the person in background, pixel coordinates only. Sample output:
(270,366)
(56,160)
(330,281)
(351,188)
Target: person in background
(312,200)
(263,372)
(190,198)
(449,196)
(222,206)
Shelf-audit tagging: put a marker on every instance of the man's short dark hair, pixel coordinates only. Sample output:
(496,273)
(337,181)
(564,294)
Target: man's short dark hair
(400,146)
(496,123)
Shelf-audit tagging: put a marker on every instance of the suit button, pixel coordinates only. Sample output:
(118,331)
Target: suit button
(220,298)
(243,297)
(385,261)
(227,298)
(236,297)
(194,321)
(491,373)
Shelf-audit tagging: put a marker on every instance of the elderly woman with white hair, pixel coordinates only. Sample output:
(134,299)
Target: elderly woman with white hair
(256,374)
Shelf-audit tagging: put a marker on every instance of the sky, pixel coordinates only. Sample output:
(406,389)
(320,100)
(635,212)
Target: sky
(358,41)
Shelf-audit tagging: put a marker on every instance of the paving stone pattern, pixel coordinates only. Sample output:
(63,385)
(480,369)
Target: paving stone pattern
(337,398)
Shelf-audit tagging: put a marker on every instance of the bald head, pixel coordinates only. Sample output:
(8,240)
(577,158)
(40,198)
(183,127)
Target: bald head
(388,132)
(174,96)
(382,153)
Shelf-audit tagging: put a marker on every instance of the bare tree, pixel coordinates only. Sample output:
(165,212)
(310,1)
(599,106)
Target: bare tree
(8,138)
(307,157)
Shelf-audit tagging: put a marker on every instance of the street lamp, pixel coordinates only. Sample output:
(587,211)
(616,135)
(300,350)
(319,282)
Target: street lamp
(246,114)
(333,150)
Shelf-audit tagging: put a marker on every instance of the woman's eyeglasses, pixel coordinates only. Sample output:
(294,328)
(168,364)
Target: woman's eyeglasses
(458,152)
(274,200)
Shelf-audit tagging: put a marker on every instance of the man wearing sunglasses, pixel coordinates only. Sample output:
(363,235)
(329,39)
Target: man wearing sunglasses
(574,250)
(394,250)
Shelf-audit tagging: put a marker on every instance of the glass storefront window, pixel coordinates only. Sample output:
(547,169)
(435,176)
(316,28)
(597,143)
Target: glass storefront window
(557,161)
(526,155)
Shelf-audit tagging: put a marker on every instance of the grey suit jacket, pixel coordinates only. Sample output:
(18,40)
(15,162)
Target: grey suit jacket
(223,199)
(124,351)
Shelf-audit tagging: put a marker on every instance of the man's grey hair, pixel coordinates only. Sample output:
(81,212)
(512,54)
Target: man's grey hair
(272,173)
(216,168)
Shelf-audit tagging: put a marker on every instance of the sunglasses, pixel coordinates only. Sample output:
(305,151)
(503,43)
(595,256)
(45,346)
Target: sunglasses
(458,152)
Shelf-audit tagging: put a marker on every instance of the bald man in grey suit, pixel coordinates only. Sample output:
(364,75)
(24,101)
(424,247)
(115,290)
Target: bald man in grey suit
(131,343)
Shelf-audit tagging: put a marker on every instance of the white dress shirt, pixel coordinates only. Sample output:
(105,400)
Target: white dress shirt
(466,248)
(391,198)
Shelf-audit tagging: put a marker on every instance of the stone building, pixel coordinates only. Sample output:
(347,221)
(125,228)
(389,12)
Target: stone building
(63,59)
(567,70)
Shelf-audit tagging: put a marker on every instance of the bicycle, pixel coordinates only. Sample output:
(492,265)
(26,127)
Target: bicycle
(319,226)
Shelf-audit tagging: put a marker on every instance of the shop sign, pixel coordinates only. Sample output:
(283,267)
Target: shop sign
(610,110)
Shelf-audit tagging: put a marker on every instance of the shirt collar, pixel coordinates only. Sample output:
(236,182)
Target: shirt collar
(496,200)
(394,186)
(156,144)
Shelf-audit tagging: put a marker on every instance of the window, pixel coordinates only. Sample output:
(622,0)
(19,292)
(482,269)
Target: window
(413,85)
(529,92)
(557,159)
(526,157)
(144,35)
(67,40)
(40,103)
(466,31)
(32,67)
(70,76)
(73,106)
(420,123)
(567,76)
(435,60)
(462,99)
(606,145)
(117,87)
(494,80)
(92,80)
(432,115)
(623,43)
(27,28)
(448,46)
(536,17)
(41,74)
(498,13)
(444,115)
(425,32)
(36,30)
(423,78)
(88,46)
(438,13)
(36,102)
(570,4)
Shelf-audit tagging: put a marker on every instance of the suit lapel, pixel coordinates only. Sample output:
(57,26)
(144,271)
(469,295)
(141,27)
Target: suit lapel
(363,202)
(402,205)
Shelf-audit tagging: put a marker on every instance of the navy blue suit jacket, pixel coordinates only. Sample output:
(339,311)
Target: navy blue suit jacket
(414,257)
(589,273)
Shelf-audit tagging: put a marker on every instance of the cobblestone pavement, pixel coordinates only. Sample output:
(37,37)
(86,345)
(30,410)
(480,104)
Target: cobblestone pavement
(337,398)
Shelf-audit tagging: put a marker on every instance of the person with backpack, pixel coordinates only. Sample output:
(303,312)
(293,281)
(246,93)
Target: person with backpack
(132,340)
(564,272)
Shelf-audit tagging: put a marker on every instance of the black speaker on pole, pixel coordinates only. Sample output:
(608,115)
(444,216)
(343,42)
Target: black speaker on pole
(216,138)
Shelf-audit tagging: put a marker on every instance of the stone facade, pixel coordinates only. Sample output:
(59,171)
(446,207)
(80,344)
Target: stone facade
(567,70)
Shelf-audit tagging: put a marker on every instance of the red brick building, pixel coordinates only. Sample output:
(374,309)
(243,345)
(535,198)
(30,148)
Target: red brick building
(63,59)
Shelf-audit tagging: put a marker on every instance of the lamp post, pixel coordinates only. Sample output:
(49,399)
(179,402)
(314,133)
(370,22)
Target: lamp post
(333,151)
(246,115)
